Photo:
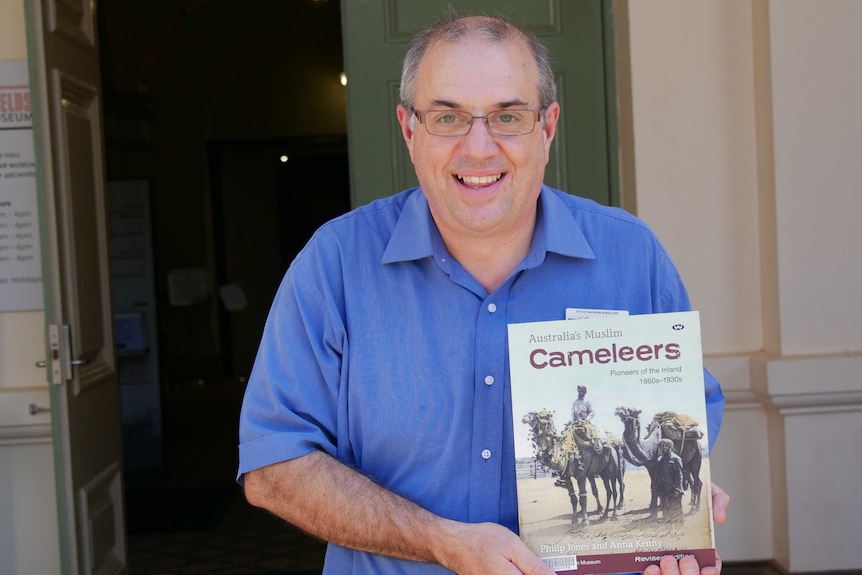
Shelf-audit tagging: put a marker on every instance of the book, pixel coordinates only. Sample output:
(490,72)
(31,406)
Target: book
(596,492)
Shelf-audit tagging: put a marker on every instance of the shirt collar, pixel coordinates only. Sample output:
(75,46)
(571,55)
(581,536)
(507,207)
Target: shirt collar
(557,231)
(412,237)
(562,233)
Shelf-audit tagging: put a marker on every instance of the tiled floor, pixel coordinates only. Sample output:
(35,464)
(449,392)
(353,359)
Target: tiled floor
(750,569)
(246,541)
(200,424)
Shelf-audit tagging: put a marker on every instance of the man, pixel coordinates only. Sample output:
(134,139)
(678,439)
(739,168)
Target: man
(582,410)
(669,480)
(378,414)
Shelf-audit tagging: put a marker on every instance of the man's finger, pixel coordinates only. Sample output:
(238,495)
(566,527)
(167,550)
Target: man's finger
(720,501)
(717,565)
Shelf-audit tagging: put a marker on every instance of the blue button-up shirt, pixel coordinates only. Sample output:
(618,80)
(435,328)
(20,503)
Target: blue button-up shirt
(383,351)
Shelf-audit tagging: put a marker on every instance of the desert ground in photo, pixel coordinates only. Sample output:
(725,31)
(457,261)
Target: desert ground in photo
(546,518)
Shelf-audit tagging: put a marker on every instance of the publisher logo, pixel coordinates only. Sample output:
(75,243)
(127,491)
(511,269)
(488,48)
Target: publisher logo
(678,327)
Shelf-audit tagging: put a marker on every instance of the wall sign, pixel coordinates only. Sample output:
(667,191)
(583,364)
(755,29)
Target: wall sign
(20,256)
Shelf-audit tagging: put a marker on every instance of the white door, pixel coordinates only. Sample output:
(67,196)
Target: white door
(65,81)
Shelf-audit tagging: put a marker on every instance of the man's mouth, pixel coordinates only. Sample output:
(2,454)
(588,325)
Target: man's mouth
(478,180)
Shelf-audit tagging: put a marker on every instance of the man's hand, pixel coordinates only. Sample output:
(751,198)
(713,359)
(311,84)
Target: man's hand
(488,548)
(686,566)
(720,501)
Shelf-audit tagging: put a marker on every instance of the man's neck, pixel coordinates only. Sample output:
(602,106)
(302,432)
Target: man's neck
(488,259)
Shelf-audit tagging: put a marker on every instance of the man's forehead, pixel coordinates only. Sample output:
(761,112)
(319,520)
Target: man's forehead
(451,72)
(513,45)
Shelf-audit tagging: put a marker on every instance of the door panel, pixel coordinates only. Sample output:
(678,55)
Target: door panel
(376,34)
(71,182)
(79,138)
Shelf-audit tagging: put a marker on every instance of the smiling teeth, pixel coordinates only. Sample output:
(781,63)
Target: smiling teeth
(479,180)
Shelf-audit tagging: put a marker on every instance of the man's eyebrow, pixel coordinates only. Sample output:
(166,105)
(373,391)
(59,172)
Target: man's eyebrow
(444,103)
(511,104)
(500,106)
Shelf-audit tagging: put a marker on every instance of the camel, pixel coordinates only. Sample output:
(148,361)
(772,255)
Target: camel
(575,460)
(643,452)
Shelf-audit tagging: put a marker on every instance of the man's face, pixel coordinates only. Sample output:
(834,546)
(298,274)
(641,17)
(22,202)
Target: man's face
(479,184)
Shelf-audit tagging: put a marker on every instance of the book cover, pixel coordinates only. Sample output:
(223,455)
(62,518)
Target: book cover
(611,443)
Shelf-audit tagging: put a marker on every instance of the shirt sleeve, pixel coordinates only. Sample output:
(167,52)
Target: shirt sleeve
(675,298)
(291,400)
(714,406)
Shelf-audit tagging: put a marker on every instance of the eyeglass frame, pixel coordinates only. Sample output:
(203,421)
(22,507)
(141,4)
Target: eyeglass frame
(539,113)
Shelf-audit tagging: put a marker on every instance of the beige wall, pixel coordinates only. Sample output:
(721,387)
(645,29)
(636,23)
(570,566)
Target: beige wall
(29,543)
(747,147)
(695,164)
(817,90)
(13,36)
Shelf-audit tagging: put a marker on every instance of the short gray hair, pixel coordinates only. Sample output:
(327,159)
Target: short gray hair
(493,28)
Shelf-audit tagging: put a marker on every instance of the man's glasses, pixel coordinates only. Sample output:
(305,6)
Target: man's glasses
(499,122)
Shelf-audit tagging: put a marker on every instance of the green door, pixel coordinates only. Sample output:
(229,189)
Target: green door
(578,34)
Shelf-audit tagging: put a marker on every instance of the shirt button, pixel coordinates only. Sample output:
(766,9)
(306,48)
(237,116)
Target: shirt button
(486,454)
(489,380)
(492,307)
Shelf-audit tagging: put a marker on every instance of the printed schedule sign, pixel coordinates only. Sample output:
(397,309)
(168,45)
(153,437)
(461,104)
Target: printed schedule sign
(20,256)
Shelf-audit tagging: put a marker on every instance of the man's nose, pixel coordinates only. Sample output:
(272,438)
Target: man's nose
(479,140)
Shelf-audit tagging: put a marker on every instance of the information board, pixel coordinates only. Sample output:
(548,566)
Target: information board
(20,256)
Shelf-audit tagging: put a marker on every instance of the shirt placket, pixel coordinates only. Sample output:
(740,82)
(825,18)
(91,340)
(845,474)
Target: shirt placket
(488,408)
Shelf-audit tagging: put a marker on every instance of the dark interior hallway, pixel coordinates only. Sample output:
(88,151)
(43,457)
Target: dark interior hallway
(195,520)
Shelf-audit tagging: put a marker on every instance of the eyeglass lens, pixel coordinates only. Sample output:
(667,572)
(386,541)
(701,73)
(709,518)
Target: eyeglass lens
(499,122)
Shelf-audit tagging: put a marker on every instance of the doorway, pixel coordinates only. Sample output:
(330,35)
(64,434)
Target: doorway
(269,196)
(202,100)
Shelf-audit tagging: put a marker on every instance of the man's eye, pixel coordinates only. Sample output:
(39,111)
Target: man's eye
(507,118)
(447,119)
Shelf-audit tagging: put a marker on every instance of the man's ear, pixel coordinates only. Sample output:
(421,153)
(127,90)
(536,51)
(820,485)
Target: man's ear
(549,123)
(405,119)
